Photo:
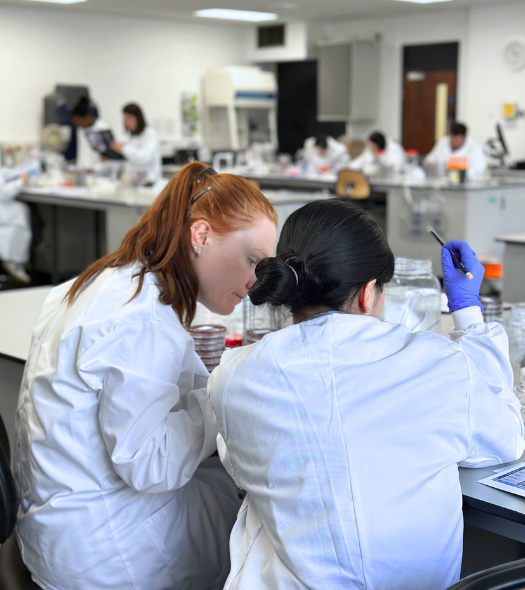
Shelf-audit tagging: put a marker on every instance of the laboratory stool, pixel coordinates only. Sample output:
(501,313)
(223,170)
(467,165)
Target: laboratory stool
(352,184)
(509,576)
(13,573)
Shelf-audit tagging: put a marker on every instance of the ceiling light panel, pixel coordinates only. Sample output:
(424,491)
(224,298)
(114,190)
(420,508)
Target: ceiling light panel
(58,1)
(228,14)
(422,1)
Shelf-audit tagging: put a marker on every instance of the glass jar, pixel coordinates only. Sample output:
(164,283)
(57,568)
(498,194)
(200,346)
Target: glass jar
(260,320)
(413,296)
(516,332)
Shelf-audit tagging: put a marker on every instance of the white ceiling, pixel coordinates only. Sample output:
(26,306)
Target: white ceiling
(312,10)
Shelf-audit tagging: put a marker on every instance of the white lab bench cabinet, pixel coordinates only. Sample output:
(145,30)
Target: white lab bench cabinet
(475,212)
(514,267)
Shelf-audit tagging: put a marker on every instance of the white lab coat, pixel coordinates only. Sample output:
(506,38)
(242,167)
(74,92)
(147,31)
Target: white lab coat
(394,156)
(143,153)
(87,157)
(347,433)
(15,222)
(112,424)
(336,155)
(441,152)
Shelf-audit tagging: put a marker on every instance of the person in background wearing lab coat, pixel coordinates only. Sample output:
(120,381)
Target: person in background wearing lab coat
(380,151)
(114,427)
(324,152)
(142,151)
(86,119)
(356,426)
(15,227)
(457,144)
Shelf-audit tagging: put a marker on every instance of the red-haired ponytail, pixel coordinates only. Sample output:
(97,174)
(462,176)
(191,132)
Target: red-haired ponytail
(160,240)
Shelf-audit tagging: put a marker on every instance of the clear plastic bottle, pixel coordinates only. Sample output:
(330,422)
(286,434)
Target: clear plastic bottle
(413,296)
(520,391)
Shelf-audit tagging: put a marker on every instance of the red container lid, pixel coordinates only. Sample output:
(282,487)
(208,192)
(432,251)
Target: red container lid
(233,340)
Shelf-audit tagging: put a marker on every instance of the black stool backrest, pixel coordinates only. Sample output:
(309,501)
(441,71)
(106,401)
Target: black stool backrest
(509,576)
(8,501)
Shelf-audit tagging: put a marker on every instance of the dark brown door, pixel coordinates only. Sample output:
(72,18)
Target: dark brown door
(419,107)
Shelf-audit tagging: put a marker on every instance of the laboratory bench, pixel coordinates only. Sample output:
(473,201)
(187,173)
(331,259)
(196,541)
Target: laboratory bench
(476,212)
(93,219)
(112,211)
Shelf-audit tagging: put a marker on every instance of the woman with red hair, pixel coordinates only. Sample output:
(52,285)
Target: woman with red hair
(114,428)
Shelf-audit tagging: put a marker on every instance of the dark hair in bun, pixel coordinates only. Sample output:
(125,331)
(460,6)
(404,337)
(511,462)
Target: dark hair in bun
(328,251)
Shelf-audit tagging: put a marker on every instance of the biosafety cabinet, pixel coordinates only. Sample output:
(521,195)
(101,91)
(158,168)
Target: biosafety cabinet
(239,104)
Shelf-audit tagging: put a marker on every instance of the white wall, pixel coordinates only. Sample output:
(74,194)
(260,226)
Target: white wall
(490,83)
(121,60)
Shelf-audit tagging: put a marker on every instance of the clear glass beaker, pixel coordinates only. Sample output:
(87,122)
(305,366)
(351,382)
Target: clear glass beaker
(413,296)
(260,320)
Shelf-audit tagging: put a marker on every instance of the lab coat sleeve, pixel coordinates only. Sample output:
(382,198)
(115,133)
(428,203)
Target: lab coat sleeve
(433,156)
(224,455)
(338,155)
(342,161)
(155,437)
(309,149)
(398,158)
(216,387)
(141,153)
(10,190)
(358,163)
(477,165)
(494,413)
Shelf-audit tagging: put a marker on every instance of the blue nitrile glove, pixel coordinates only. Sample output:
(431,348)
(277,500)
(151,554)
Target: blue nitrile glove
(461,291)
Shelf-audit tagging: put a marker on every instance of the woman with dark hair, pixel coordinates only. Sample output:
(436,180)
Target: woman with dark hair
(347,431)
(114,427)
(142,150)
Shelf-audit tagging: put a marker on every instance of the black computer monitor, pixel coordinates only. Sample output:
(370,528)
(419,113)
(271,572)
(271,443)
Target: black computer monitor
(499,131)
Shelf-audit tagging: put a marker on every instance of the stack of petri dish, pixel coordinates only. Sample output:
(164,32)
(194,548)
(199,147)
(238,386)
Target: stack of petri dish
(210,343)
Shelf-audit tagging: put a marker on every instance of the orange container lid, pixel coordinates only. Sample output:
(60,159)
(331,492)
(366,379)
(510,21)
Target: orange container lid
(493,271)
(457,163)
